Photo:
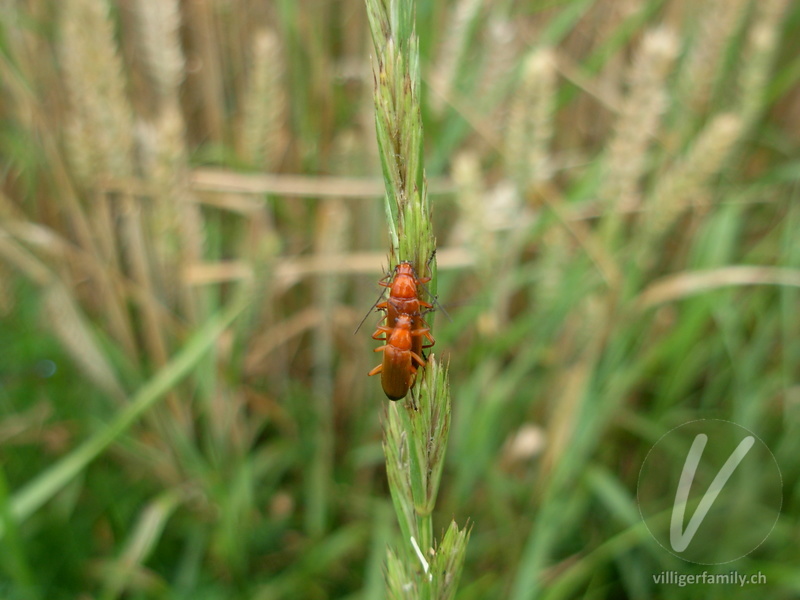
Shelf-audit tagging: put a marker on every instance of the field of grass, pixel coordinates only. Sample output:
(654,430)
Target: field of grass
(192,225)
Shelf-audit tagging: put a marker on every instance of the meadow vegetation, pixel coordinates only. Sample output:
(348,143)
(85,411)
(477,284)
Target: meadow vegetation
(192,224)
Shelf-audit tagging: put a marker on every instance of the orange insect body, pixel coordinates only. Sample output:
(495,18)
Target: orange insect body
(403,332)
(404,300)
(403,294)
(400,362)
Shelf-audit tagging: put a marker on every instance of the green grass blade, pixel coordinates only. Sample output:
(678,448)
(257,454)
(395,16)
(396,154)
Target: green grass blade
(30,498)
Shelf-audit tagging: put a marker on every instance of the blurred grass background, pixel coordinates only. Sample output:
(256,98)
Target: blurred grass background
(192,226)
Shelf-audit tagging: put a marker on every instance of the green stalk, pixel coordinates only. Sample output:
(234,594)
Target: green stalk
(415,431)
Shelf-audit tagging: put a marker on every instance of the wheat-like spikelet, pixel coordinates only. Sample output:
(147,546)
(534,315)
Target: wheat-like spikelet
(163,147)
(415,431)
(81,153)
(100,136)
(264,108)
(530,120)
(93,74)
(501,53)
(159,41)
(685,181)
(758,55)
(516,140)
(500,57)
(176,220)
(542,71)
(716,28)
(471,230)
(163,157)
(638,121)
(157,261)
(453,50)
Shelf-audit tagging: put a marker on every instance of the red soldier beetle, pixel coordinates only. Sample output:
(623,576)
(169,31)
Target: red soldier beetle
(404,300)
(399,366)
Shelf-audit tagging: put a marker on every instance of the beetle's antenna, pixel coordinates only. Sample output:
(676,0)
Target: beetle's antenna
(435,302)
(369,311)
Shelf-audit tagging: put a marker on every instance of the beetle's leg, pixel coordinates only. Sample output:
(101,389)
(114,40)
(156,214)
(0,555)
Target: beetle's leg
(419,359)
(381,329)
(428,335)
